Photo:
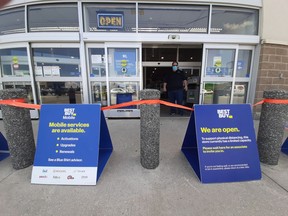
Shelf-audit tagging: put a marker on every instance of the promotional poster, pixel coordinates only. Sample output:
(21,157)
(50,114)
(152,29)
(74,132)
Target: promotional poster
(68,145)
(225,147)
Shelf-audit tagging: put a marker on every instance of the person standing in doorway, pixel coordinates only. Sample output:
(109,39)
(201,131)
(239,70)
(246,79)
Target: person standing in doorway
(174,82)
(72,95)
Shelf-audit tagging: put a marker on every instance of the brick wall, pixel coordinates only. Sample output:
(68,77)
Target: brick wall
(273,71)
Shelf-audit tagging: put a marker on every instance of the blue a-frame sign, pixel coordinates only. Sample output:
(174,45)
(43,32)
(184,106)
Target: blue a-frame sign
(220,143)
(284,147)
(4,150)
(73,145)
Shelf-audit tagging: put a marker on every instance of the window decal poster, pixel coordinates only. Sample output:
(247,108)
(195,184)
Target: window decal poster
(220,143)
(73,145)
(125,62)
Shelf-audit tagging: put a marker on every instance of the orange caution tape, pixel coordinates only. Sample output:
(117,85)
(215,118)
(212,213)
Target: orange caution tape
(272,101)
(276,101)
(19,102)
(260,102)
(139,102)
(6,102)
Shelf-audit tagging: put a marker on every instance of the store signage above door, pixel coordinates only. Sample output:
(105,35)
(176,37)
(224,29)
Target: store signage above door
(110,20)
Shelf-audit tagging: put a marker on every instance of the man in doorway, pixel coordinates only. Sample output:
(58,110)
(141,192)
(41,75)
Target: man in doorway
(174,82)
(72,95)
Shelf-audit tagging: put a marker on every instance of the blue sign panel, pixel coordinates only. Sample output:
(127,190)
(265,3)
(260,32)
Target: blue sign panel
(68,144)
(220,143)
(284,147)
(125,62)
(217,71)
(110,20)
(4,151)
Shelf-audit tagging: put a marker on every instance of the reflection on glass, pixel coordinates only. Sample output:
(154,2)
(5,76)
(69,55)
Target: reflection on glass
(99,93)
(173,18)
(63,62)
(14,62)
(232,20)
(97,62)
(60,92)
(244,63)
(159,54)
(21,85)
(125,12)
(217,92)
(12,21)
(53,18)
(123,92)
(122,62)
(220,62)
(190,54)
(240,92)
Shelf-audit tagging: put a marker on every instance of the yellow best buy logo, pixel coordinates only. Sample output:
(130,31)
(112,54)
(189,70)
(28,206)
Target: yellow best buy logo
(124,62)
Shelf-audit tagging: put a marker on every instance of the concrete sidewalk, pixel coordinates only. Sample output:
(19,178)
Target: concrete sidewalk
(125,188)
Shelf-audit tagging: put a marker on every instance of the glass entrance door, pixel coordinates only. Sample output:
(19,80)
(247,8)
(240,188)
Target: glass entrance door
(115,76)
(16,72)
(124,78)
(57,73)
(226,74)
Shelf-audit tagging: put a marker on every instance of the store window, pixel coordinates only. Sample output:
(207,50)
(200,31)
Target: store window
(21,85)
(229,20)
(12,21)
(56,62)
(121,92)
(244,63)
(216,92)
(97,62)
(99,93)
(110,17)
(190,54)
(69,92)
(220,62)
(14,62)
(240,92)
(122,62)
(173,18)
(227,78)
(159,54)
(53,18)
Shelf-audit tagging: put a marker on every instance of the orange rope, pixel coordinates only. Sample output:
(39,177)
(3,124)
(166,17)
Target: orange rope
(6,102)
(260,102)
(272,101)
(276,101)
(139,102)
(19,102)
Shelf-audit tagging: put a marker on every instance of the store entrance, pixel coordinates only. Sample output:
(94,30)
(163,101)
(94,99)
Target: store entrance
(154,79)
(157,61)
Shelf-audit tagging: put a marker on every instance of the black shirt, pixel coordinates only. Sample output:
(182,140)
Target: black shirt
(174,80)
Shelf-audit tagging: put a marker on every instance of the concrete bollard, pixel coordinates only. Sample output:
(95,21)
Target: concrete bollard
(271,127)
(149,130)
(19,132)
